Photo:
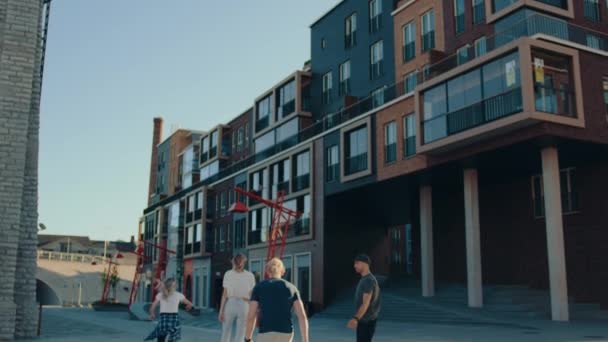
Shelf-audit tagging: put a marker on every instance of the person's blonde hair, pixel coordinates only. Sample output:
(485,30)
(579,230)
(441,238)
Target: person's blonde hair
(169,286)
(275,267)
(238,262)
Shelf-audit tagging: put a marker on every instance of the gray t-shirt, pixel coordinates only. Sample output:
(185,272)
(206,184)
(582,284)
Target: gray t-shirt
(368,284)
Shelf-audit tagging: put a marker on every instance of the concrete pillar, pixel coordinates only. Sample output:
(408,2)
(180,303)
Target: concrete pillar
(471,214)
(426,241)
(555,235)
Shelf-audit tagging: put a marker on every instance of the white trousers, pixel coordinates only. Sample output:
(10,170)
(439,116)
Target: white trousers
(236,309)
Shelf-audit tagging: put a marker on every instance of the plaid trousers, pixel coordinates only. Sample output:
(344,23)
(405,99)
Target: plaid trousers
(169,325)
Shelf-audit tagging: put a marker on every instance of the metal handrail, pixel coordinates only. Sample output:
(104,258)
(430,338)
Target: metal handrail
(70,257)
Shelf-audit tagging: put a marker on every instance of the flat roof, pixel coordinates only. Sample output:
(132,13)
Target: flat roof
(326,13)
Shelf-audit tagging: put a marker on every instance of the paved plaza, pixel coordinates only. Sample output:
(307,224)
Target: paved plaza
(67,325)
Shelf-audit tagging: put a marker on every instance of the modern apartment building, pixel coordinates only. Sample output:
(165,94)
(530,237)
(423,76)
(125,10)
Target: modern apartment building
(455,141)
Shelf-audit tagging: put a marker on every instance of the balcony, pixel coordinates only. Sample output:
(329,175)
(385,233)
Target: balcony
(301,182)
(409,51)
(356,164)
(475,115)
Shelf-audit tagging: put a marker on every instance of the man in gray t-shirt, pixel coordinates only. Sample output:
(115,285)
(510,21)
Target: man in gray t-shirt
(367,301)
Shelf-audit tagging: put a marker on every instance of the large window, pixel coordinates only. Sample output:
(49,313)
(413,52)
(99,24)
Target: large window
(409,134)
(569,194)
(303,276)
(301,167)
(410,80)
(327,85)
(428,31)
(390,142)
(409,41)
(592,10)
(287,131)
(350,31)
(553,92)
(479,11)
(377,60)
(287,100)
(332,163)
(459,21)
(344,88)
(280,174)
(356,149)
(458,104)
(375,15)
(264,107)
(247,135)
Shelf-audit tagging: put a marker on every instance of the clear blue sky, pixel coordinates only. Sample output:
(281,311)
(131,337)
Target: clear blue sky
(113,65)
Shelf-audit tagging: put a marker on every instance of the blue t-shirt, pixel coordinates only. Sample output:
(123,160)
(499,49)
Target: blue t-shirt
(275,298)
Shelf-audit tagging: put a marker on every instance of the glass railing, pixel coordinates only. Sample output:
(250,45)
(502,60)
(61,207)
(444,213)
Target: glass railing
(390,153)
(301,182)
(344,87)
(262,123)
(555,101)
(428,41)
(286,109)
(410,146)
(299,228)
(488,110)
(356,164)
(409,51)
(333,172)
(459,19)
(479,13)
(592,10)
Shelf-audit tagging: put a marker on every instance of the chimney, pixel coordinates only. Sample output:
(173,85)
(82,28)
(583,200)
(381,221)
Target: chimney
(157,136)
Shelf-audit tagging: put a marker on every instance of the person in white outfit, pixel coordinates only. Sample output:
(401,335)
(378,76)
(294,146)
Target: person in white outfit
(238,284)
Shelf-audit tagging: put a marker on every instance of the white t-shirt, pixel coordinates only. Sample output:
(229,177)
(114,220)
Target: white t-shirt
(239,284)
(171,303)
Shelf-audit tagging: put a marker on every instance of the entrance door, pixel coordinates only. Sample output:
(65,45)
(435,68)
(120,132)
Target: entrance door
(401,249)
(205,288)
(201,287)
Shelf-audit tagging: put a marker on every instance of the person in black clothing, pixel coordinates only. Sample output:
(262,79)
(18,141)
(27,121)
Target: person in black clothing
(275,298)
(367,301)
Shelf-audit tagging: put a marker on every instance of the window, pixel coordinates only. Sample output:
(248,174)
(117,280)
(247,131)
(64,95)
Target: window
(605,86)
(378,97)
(501,4)
(593,41)
(479,11)
(198,234)
(189,240)
(259,221)
(223,203)
(191,204)
(287,131)
(247,134)
(213,147)
(390,142)
(199,200)
(264,142)
(356,149)
(288,262)
(428,31)
(234,142)
(222,237)
(375,18)
(323,43)
(426,72)
(263,113)
(255,267)
(409,134)
(409,41)
(569,195)
(301,180)
(302,276)
(344,87)
(239,143)
(462,54)
(592,10)
(327,85)
(480,46)
(332,163)
(459,16)
(280,174)
(210,170)
(287,100)
(350,31)
(240,234)
(204,149)
(410,81)
(377,59)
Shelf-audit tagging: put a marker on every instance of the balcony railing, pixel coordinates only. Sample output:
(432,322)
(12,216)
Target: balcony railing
(409,51)
(300,227)
(70,257)
(459,20)
(474,115)
(356,164)
(301,182)
(286,109)
(390,153)
(410,146)
(428,41)
(262,123)
(559,101)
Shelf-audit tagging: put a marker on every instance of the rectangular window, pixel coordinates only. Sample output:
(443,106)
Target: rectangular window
(428,31)
(375,17)
(605,86)
(204,149)
(378,97)
(239,143)
(301,168)
(264,142)
(409,41)
(479,11)
(593,41)
(356,149)
(459,16)
(327,85)
(569,194)
(462,55)
(410,80)
(592,10)
(280,174)
(376,60)
(234,142)
(350,31)
(288,262)
(332,163)
(303,276)
(247,134)
(222,237)
(198,235)
(199,200)
(213,147)
(223,203)
(409,134)
(390,142)
(286,101)
(344,88)
(264,107)
(480,46)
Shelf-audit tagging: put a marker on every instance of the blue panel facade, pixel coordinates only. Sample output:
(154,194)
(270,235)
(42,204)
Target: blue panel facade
(329,51)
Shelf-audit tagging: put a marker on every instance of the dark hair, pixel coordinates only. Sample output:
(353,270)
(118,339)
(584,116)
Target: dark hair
(363,258)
